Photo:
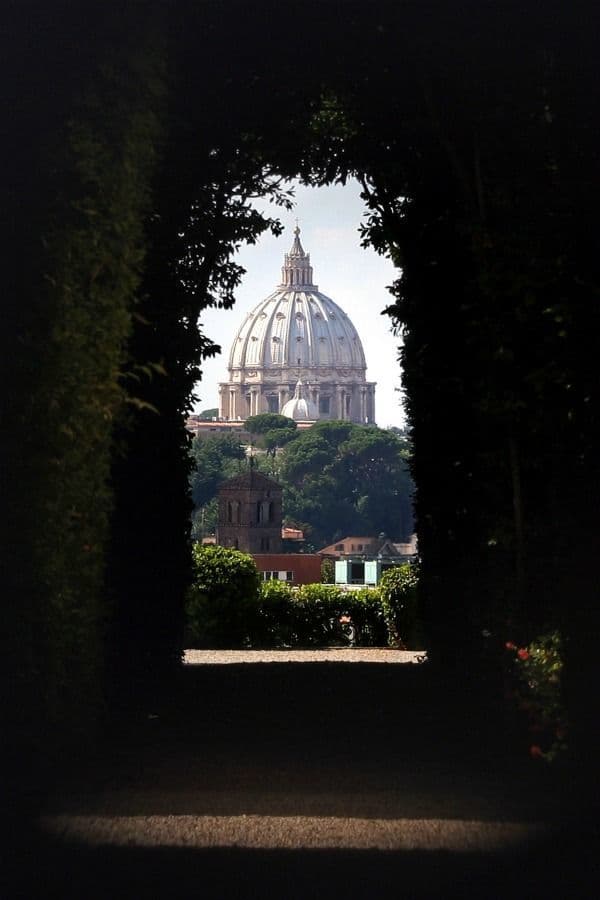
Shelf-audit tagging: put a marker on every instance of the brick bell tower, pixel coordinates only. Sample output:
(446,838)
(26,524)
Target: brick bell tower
(250,513)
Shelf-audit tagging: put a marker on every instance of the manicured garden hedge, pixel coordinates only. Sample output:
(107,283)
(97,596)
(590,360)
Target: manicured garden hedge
(229,607)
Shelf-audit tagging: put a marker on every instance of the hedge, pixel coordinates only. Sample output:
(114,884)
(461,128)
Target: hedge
(279,615)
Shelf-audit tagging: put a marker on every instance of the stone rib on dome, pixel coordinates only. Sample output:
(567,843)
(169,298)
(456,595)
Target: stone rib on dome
(297,331)
(296,328)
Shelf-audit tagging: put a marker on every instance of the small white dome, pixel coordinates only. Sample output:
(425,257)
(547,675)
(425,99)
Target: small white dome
(299,408)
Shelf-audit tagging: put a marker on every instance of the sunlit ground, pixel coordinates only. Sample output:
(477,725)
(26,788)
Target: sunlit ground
(294,832)
(337,654)
(314,780)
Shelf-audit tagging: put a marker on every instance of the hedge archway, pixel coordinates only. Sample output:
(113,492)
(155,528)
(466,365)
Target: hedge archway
(478,169)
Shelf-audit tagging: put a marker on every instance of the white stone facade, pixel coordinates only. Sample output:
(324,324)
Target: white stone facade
(297,334)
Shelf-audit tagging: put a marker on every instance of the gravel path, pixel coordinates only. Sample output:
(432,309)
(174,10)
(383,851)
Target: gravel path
(337,654)
(309,781)
(294,832)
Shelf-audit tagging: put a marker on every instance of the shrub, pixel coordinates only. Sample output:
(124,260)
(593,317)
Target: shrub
(535,672)
(228,606)
(327,571)
(309,616)
(367,614)
(274,624)
(399,593)
(222,601)
(318,608)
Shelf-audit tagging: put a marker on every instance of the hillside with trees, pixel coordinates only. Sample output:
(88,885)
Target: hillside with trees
(338,478)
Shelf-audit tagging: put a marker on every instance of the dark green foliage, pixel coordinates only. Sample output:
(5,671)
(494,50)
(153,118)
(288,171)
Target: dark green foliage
(204,520)
(208,414)
(74,317)
(341,478)
(203,214)
(228,606)
(222,601)
(270,432)
(265,422)
(398,590)
(338,477)
(276,624)
(327,571)
(319,608)
(536,702)
(313,615)
(215,459)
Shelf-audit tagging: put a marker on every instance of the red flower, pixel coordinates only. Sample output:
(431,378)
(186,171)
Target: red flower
(523,653)
(536,752)
(510,646)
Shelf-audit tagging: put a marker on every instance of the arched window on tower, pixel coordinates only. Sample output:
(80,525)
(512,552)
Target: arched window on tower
(233,512)
(264,511)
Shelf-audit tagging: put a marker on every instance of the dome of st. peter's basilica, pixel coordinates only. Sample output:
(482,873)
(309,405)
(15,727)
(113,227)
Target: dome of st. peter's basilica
(297,345)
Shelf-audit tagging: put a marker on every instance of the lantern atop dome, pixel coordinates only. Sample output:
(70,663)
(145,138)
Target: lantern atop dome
(297,271)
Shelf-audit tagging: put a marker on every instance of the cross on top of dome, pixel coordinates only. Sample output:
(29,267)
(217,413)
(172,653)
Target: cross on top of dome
(297,270)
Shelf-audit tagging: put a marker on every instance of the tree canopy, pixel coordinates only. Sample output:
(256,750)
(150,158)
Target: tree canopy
(272,430)
(265,422)
(215,459)
(340,478)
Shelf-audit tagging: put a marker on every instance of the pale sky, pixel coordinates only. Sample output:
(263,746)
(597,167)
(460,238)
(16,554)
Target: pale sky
(355,278)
